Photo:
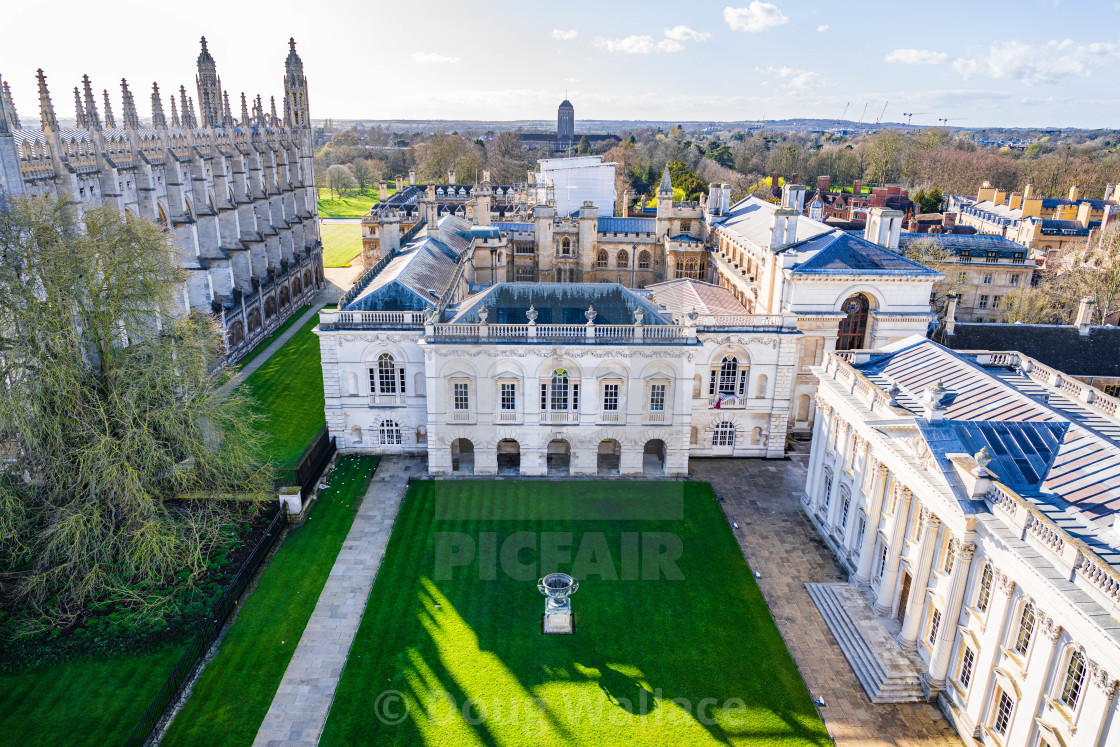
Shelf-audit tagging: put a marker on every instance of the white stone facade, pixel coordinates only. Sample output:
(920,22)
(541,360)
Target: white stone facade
(1000,565)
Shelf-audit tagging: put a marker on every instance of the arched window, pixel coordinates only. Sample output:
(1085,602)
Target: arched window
(622,260)
(566,246)
(853,327)
(601,259)
(390,433)
(728,375)
(388,378)
(1026,629)
(643,261)
(984,594)
(254,320)
(1075,679)
(680,268)
(558,391)
(724,435)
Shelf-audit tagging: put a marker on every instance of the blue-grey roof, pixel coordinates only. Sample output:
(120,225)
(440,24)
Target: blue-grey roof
(959,242)
(1051,226)
(411,281)
(481,232)
(627,225)
(841,252)
(513,226)
(1022,453)
(558,303)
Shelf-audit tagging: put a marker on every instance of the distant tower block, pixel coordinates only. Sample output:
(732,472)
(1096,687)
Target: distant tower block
(566,122)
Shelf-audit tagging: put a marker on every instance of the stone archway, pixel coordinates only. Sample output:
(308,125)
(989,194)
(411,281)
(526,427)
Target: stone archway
(608,457)
(559,457)
(653,457)
(462,456)
(509,457)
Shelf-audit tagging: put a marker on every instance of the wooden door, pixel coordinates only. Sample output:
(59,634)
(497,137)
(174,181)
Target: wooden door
(903,596)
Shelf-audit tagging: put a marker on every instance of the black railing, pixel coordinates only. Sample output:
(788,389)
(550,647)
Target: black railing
(307,470)
(180,675)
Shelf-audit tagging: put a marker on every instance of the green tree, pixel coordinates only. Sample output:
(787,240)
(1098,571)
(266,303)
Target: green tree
(929,202)
(584,145)
(122,461)
(340,180)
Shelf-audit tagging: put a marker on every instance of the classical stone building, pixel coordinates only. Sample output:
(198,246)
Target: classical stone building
(595,344)
(973,498)
(238,194)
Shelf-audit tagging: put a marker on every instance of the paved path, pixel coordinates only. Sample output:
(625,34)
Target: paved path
(321,300)
(299,709)
(779,542)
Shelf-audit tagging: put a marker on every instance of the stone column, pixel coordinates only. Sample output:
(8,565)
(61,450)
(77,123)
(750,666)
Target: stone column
(885,599)
(950,616)
(871,531)
(912,622)
(860,472)
(821,428)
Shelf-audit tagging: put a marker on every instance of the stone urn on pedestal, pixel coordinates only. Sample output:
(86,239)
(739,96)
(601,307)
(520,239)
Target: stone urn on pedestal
(557,608)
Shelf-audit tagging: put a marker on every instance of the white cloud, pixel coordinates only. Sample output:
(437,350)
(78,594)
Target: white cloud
(434,58)
(822,27)
(563,35)
(1040,63)
(636,44)
(684,33)
(798,80)
(916,57)
(757,16)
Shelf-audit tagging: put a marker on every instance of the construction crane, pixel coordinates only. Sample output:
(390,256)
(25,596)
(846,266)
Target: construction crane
(841,118)
(908,115)
(945,120)
(880,119)
(859,125)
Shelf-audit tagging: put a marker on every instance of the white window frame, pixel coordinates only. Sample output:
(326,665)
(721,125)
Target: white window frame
(720,435)
(1072,710)
(967,656)
(997,709)
(612,396)
(658,396)
(511,388)
(461,396)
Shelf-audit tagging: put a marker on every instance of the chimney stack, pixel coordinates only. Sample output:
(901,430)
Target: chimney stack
(857,188)
(451,176)
(951,313)
(400,183)
(1085,316)
(822,183)
(1028,191)
(794,180)
(784,228)
(793,197)
(485,176)
(383,190)
(884,227)
(412,177)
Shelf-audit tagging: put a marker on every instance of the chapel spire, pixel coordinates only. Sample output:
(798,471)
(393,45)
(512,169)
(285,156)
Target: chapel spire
(175,123)
(158,119)
(9,106)
(110,121)
(92,120)
(295,90)
(80,119)
(131,118)
(209,89)
(227,115)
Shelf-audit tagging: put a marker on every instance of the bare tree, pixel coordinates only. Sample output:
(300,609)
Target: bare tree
(1029,305)
(340,179)
(363,174)
(1094,274)
(937,257)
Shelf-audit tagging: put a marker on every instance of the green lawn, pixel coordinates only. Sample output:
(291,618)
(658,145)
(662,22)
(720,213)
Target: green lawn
(288,389)
(652,661)
(82,702)
(232,696)
(348,206)
(342,242)
(269,340)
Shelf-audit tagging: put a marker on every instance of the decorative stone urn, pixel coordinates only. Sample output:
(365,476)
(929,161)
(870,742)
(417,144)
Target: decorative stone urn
(557,608)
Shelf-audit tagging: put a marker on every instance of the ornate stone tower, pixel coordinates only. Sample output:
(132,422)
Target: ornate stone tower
(565,122)
(295,91)
(209,89)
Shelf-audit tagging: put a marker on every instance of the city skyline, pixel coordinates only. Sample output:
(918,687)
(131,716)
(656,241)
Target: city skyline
(1045,67)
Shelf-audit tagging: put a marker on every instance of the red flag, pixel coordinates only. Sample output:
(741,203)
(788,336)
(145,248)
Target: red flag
(719,400)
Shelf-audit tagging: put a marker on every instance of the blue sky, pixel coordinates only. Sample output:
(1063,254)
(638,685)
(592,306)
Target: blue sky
(1024,63)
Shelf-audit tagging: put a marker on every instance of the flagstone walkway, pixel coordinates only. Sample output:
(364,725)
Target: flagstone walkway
(299,709)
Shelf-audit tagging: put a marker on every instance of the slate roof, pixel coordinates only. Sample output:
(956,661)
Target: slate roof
(1061,347)
(509,227)
(627,225)
(686,295)
(558,303)
(1045,444)
(751,218)
(412,281)
(840,252)
(964,242)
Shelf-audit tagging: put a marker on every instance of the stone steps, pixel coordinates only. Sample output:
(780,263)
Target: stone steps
(884,671)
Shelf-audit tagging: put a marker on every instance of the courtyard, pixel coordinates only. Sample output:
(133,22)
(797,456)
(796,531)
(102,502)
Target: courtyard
(673,640)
